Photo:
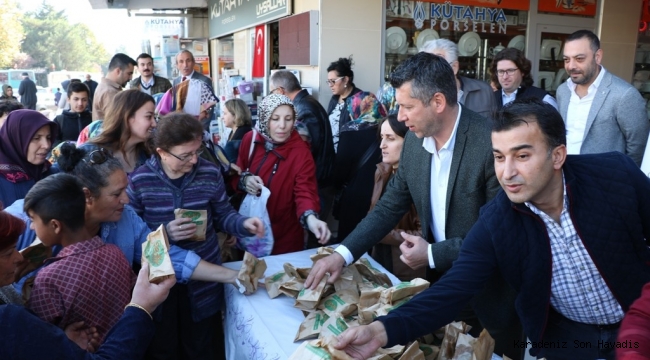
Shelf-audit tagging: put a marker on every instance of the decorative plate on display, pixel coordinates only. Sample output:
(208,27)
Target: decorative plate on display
(518,42)
(545,80)
(550,47)
(396,40)
(469,43)
(426,35)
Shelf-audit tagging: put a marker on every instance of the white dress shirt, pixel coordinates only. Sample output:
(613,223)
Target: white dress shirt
(440,169)
(510,98)
(578,112)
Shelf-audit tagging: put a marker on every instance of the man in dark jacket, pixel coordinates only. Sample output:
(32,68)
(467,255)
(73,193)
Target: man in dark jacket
(27,92)
(568,233)
(476,95)
(72,121)
(511,73)
(312,114)
(92,86)
(147,82)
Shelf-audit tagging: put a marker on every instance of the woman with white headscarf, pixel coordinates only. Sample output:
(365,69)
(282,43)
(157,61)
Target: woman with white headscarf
(281,161)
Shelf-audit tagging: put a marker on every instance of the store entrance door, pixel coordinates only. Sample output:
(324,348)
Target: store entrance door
(547,64)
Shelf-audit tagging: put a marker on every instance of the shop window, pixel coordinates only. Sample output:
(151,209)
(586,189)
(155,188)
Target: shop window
(478,27)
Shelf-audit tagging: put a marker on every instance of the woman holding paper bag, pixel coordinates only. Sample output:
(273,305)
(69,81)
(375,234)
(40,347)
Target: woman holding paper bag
(282,162)
(176,178)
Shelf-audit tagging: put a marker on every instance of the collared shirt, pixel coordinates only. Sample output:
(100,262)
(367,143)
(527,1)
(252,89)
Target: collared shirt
(510,98)
(578,291)
(440,168)
(145,86)
(81,280)
(578,112)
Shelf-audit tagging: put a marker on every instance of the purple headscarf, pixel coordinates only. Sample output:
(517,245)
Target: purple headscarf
(15,136)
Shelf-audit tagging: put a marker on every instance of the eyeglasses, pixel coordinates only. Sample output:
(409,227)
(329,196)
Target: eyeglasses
(97,157)
(332,82)
(188,156)
(276,89)
(510,72)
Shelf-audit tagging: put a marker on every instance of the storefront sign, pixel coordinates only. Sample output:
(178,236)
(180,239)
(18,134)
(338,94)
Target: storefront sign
(574,7)
(499,4)
(229,16)
(468,18)
(164,26)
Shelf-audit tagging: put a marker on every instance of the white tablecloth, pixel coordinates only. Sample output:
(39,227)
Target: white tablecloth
(258,327)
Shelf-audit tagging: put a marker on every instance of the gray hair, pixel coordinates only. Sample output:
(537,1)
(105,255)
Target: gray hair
(184,52)
(442,45)
(287,80)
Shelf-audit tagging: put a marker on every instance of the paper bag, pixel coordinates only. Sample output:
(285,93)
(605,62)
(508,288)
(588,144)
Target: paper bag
(33,257)
(251,271)
(273,282)
(448,345)
(403,290)
(371,273)
(413,352)
(312,325)
(320,349)
(344,303)
(483,347)
(430,351)
(155,251)
(334,326)
(464,347)
(198,217)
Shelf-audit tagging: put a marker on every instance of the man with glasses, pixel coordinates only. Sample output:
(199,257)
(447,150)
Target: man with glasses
(511,74)
(476,95)
(602,112)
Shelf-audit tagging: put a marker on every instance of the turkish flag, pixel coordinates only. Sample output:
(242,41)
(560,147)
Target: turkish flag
(258,56)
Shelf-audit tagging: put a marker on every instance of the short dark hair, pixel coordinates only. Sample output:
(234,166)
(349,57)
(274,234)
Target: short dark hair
(59,197)
(93,176)
(143,56)
(594,42)
(7,106)
(176,129)
(529,110)
(428,74)
(25,73)
(121,61)
(286,80)
(77,87)
(343,67)
(517,57)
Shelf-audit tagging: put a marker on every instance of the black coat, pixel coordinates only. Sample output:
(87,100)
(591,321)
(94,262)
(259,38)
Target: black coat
(71,123)
(27,92)
(356,182)
(311,113)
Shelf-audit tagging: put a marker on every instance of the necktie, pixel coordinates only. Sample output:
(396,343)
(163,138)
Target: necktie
(184,78)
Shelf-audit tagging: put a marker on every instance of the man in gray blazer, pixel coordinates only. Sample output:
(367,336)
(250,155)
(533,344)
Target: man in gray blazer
(476,95)
(602,112)
(447,170)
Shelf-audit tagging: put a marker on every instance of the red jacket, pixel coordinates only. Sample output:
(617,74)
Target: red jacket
(634,334)
(293,186)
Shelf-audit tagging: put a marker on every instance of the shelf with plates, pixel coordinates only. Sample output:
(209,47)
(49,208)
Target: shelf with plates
(476,48)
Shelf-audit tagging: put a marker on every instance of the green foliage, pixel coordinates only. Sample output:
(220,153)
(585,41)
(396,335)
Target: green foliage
(11,32)
(51,40)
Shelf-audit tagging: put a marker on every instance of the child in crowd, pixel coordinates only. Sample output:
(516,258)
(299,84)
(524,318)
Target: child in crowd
(88,280)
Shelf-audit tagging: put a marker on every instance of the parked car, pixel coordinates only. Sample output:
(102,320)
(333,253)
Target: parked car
(45,98)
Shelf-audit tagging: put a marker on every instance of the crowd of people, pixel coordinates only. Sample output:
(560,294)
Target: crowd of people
(527,213)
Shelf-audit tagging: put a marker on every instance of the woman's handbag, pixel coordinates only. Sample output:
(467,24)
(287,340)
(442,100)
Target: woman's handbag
(255,206)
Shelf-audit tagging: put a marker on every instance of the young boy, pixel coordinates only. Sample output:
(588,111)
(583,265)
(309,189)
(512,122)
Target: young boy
(88,280)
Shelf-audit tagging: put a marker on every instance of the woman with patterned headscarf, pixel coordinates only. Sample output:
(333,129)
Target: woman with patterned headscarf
(281,161)
(354,168)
